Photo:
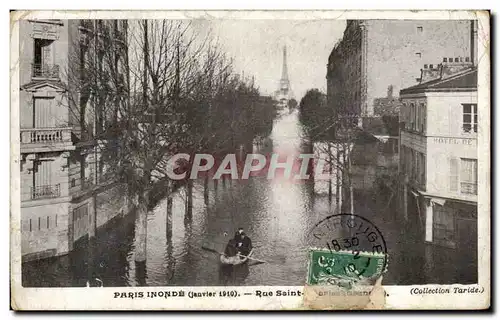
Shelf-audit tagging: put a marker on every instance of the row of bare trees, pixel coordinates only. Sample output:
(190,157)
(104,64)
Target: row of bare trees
(161,90)
(332,137)
(332,122)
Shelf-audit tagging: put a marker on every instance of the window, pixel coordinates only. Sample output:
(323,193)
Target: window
(412,116)
(420,29)
(43,187)
(468,176)
(45,113)
(417,117)
(445,59)
(414,165)
(422,171)
(416,174)
(443,226)
(469,122)
(43,59)
(423,117)
(43,54)
(426,66)
(453,174)
(43,173)
(456,60)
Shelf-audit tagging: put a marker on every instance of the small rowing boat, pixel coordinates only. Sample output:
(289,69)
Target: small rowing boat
(236,259)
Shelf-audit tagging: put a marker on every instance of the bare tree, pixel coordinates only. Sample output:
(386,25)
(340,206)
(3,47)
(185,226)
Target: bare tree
(158,91)
(334,133)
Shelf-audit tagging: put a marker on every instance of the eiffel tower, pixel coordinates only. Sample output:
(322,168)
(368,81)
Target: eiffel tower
(283,92)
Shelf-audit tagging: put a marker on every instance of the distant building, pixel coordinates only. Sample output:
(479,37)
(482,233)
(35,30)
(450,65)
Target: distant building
(284,93)
(60,121)
(438,156)
(376,54)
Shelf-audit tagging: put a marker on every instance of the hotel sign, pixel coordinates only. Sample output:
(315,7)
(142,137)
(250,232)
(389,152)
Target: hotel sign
(460,141)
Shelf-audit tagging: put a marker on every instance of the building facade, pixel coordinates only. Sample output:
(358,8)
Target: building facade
(438,156)
(61,121)
(374,55)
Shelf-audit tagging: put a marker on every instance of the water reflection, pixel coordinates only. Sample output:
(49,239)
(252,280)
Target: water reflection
(277,214)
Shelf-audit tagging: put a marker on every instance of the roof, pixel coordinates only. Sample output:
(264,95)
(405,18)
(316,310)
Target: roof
(465,80)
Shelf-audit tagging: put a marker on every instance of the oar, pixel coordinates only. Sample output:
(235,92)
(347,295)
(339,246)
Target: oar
(248,257)
(255,261)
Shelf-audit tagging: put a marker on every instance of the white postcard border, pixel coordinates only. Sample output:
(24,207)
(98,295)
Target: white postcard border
(399,297)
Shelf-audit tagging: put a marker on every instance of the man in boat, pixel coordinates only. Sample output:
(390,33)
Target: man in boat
(243,242)
(231,250)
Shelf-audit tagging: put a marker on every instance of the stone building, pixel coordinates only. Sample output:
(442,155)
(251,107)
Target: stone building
(61,121)
(376,54)
(438,156)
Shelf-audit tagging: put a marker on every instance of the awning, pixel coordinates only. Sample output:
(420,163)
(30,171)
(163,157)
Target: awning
(441,202)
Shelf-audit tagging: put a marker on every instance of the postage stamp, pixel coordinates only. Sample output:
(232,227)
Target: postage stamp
(352,249)
(343,268)
(249,160)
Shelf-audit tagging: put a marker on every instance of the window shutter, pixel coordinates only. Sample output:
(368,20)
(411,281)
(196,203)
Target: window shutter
(424,171)
(46,54)
(453,174)
(45,113)
(424,121)
(417,120)
(43,176)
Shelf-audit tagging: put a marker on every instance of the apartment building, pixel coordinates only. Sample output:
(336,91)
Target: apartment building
(374,55)
(438,156)
(60,121)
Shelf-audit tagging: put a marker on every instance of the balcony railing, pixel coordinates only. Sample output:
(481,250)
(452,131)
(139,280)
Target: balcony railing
(46,136)
(49,71)
(45,192)
(468,188)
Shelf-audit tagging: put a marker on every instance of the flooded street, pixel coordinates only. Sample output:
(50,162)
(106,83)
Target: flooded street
(277,214)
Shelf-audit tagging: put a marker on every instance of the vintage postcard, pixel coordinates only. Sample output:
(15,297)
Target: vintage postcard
(250,160)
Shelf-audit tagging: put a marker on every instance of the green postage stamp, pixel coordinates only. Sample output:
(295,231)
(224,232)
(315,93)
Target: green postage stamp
(344,268)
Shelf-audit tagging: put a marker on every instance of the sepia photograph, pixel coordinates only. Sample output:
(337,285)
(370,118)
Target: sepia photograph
(219,152)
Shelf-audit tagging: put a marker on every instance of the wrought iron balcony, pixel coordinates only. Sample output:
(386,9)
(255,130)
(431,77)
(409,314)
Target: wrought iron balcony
(46,71)
(45,136)
(468,188)
(44,192)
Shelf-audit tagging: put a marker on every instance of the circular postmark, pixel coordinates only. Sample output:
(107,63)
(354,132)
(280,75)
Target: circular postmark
(346,247)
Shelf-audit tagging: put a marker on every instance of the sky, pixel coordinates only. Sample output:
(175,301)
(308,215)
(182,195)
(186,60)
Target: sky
(257,49)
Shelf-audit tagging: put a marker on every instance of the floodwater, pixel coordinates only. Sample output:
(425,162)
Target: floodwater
(277,214)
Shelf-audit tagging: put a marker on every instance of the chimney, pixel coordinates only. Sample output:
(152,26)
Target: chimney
(454,65)
(473,42)
(430,72)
